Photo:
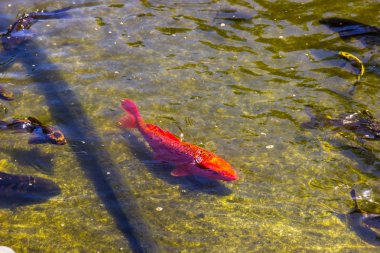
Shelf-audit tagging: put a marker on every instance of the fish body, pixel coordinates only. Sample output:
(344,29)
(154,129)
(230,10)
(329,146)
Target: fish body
(233,15)
(41,133)
(187,158)
(350,28)
(369,35)
(361,123)
(26,186)
(28,19)
(355,59)
(18,32)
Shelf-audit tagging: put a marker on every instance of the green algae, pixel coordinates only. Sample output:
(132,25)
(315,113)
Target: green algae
(239,90)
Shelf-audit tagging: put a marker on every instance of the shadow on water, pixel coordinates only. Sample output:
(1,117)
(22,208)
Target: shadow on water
(34,157)
(17,190)
(162,170)
(67,110)
(13,201)
(362,223)
(367,160)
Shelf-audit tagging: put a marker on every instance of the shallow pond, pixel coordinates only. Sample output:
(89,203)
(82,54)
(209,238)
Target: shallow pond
(237,87)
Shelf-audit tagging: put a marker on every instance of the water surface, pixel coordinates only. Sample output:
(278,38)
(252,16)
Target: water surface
(236,87)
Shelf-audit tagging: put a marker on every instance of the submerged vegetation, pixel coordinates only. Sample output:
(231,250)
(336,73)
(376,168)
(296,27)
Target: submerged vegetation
(234,78)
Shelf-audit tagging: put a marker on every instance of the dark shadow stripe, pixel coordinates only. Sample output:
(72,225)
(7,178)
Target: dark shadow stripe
(66,109)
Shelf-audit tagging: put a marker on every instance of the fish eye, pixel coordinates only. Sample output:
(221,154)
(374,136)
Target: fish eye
(215,173)
(57,135)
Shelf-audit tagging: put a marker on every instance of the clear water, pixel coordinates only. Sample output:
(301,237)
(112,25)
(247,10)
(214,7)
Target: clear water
(238,88)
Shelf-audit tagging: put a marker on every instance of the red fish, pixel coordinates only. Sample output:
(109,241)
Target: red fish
(187,158)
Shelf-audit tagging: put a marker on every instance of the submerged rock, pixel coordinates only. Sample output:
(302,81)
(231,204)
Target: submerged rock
(5,249)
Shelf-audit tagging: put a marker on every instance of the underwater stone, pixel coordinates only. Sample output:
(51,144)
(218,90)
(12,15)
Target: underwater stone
(5,249)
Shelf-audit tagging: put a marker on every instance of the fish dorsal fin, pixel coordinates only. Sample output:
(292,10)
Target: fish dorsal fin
(161,131)
(181,171)
(34,121)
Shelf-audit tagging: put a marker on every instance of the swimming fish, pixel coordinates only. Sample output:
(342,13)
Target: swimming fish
(361,123)
(349,28)
(5,94)
(352,57)
(364,223)
(41,133)
(187,158)
(17,33)
(233,15)
(15,188)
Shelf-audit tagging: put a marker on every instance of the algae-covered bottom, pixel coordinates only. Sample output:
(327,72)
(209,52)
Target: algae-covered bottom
(235,86)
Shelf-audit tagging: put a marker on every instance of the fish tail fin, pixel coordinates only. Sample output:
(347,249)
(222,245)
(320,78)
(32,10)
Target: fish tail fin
(133,117)
(313,119)
(353,196)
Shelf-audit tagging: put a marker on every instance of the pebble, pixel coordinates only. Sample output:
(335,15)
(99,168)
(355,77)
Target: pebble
(5,249)
(158,209)
(269,146)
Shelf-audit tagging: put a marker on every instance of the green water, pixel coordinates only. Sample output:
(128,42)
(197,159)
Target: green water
(235,88)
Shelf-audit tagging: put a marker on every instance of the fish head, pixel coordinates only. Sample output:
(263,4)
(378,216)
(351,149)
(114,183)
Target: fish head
(56,137)
(215,168)
(41,187)
(51,134)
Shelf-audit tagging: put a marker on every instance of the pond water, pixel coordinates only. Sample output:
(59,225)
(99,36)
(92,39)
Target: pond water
(238,88)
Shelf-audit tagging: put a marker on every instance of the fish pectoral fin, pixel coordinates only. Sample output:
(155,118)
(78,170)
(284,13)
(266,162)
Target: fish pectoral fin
(160,156)
(181,171)
(37,140)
